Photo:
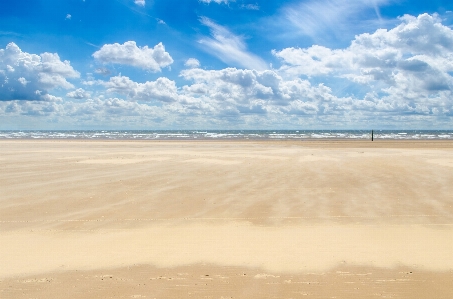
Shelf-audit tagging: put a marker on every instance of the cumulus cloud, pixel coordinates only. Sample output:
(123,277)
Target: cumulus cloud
(267,92)
(51,98)
(68,17)
(227,93)
(163,89)
(79,93)
(102,71)
(152,59)
(192,63)
(140,2)
(229,48)
(25,76)
(251,91)
(239,94)
(23,81)
(414,58)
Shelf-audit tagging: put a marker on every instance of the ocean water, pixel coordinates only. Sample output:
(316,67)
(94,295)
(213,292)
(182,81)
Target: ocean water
(229,134)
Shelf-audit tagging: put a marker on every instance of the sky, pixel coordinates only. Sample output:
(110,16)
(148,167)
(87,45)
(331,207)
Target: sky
(225,64)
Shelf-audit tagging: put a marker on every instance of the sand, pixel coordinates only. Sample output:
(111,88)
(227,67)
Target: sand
(218,219)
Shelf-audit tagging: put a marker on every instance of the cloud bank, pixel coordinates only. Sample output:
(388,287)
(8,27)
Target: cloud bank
(394,77)
(405,69)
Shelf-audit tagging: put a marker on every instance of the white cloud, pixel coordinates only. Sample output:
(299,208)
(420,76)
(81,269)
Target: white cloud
(192,63)
(102,71)
(104,113)
(227,94)
(250,91)
(316,60)
(31,108)
(420,50)
(79,93)
(23,81)
(152,59)
(68,17)
(51,98)
(229,48)
(100,110)
(236,95)
(253,92)
(140,2)
(231,97)
(405,70)
(162,89)
(26,76)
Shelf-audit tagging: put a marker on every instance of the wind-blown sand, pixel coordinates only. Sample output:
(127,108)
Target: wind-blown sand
(217,219)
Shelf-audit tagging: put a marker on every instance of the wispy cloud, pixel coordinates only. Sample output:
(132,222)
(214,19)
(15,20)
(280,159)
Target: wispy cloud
(333,18)
(91,44)
(10,33)
(229,48)
(131,6)
(250,6)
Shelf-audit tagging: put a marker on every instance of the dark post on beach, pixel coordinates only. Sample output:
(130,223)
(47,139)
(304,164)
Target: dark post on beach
(372,135)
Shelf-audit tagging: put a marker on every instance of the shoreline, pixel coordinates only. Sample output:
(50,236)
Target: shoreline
(254,135)
(325,143)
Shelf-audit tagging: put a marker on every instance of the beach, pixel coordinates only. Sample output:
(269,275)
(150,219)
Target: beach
(226,219)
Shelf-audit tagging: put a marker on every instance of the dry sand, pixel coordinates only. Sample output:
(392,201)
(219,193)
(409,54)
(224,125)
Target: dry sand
(140,219)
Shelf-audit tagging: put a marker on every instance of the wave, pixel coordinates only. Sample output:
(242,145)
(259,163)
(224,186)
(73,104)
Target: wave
(227,134)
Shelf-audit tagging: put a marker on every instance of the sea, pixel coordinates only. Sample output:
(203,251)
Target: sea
(228,134)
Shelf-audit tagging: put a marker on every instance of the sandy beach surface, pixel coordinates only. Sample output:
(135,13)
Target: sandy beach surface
(226,219)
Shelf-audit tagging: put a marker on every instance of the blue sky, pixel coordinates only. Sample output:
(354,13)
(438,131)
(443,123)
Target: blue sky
(223,64)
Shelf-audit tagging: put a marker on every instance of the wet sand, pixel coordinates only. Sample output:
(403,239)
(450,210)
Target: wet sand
(218,219)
